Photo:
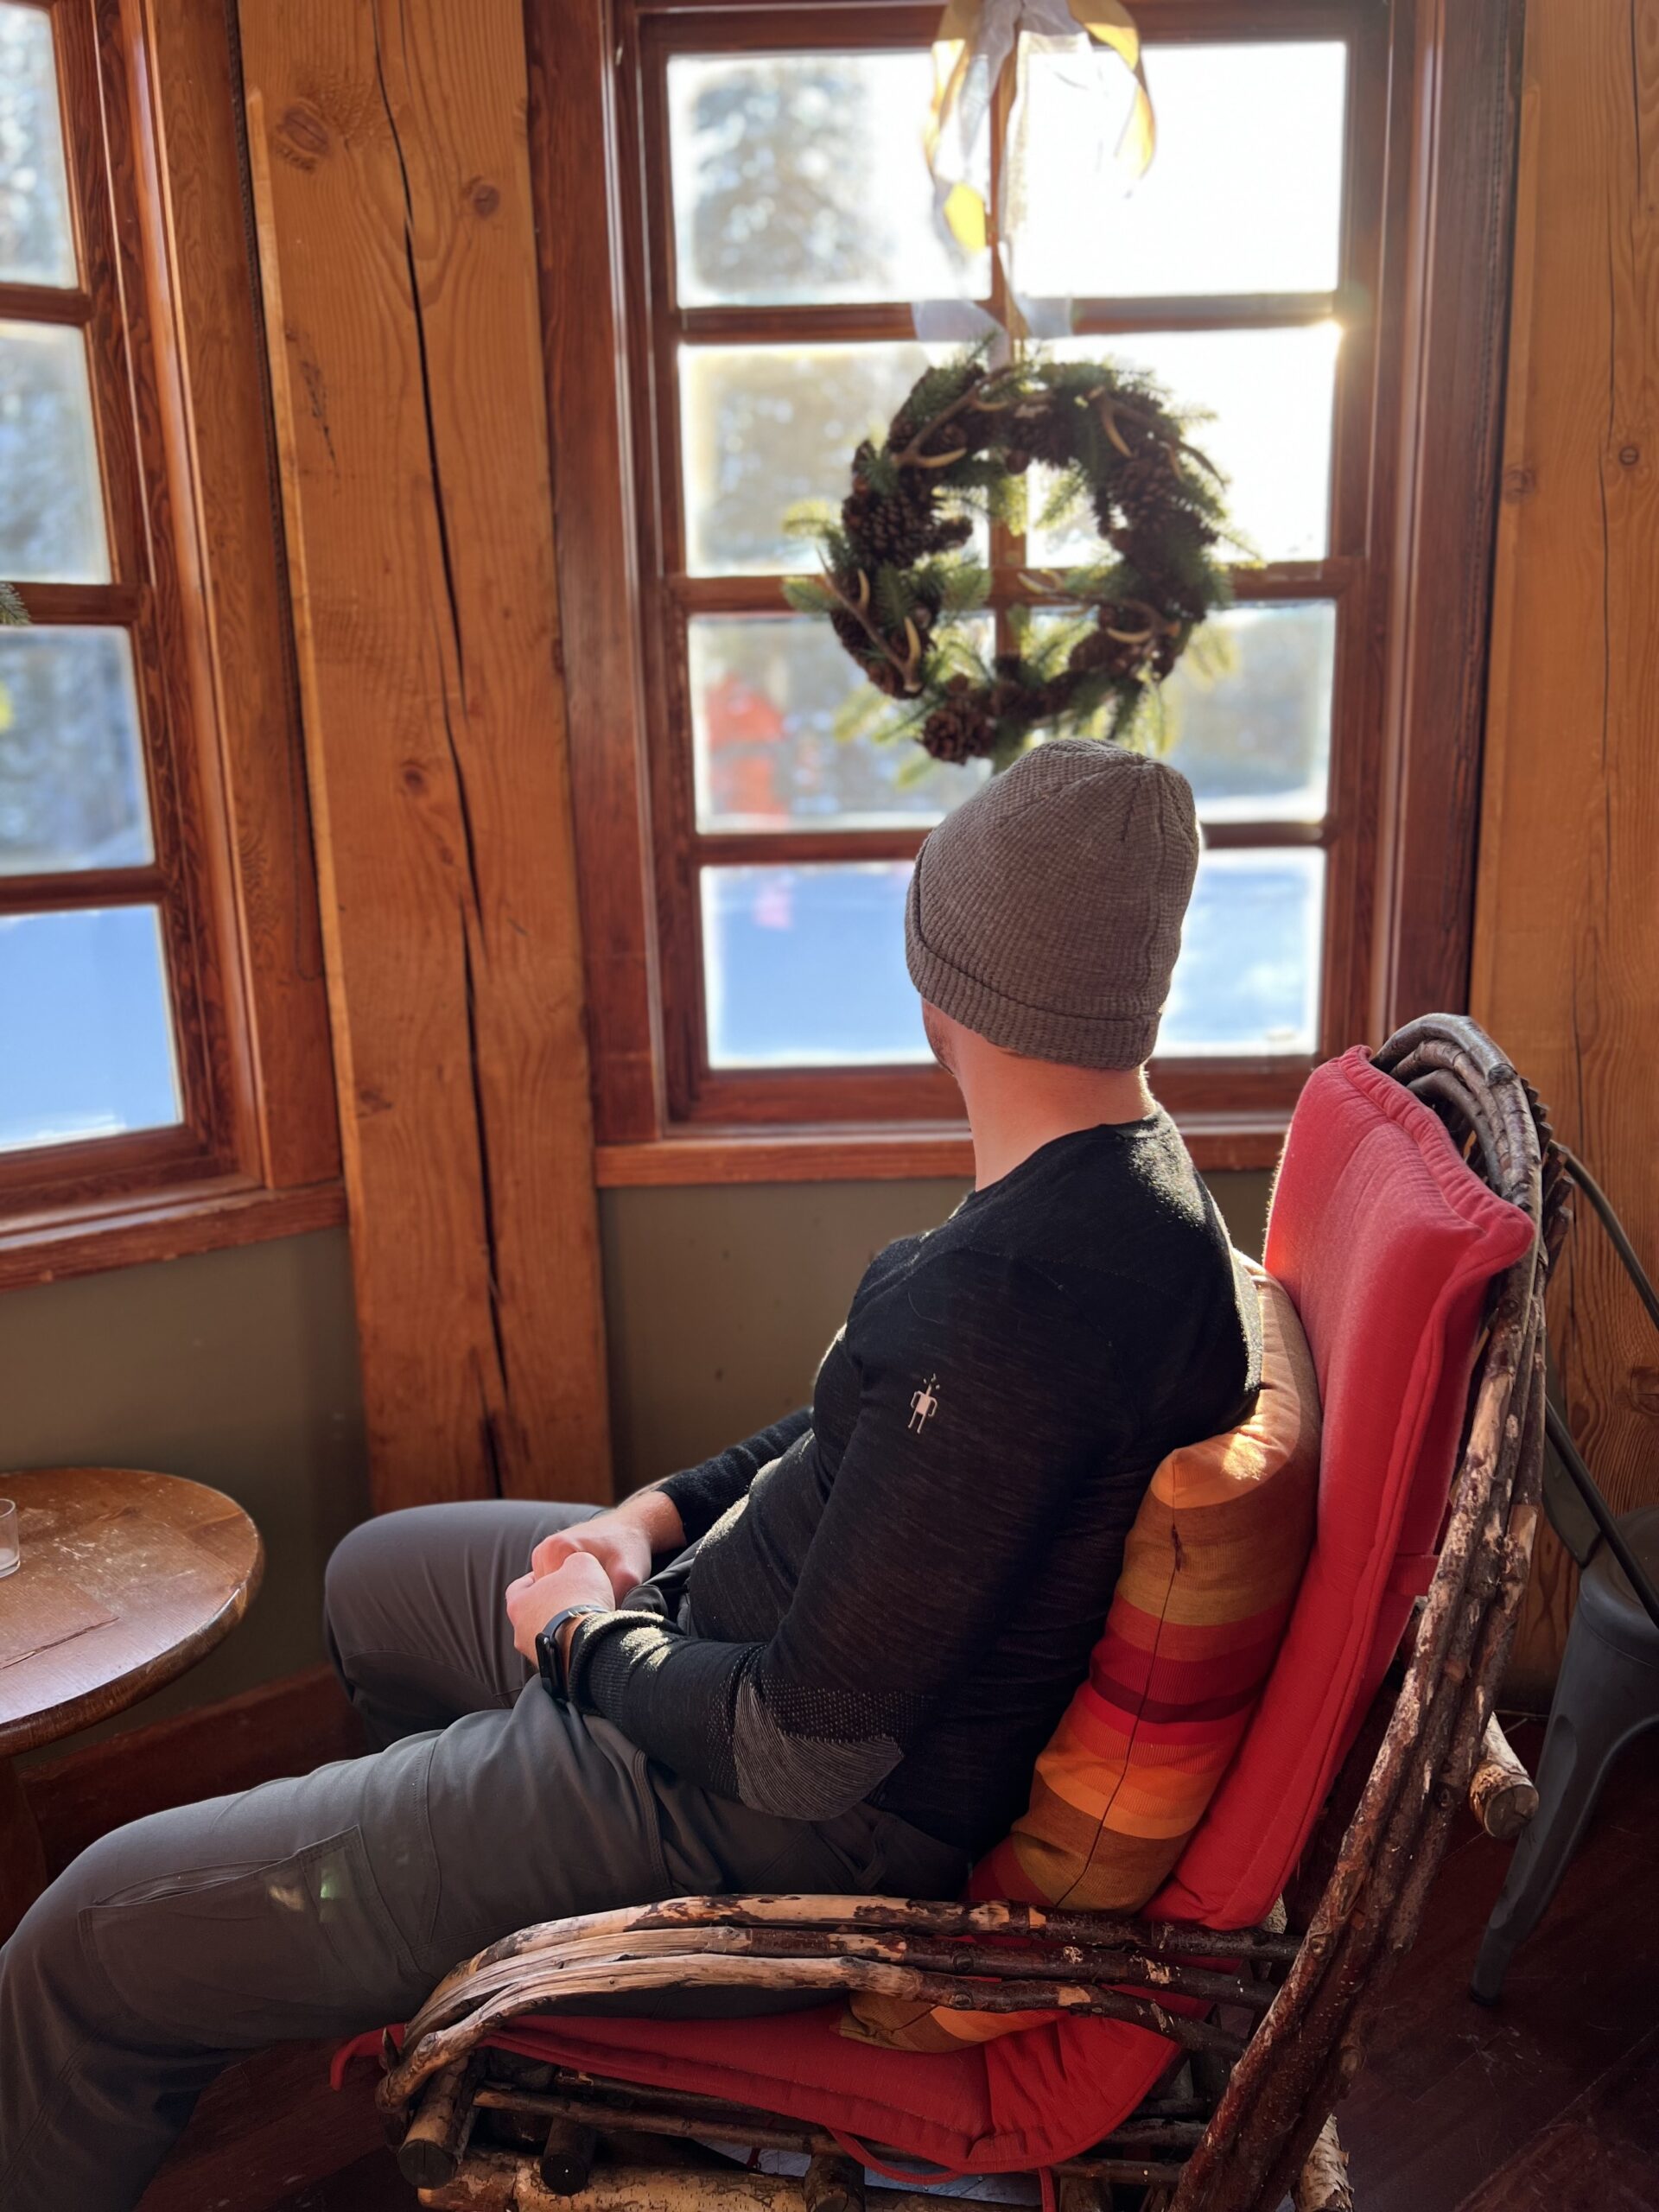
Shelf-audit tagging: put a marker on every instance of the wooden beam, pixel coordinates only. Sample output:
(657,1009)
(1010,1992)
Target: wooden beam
(1567,947)
(386,143)
(1448,296)
(572,75)
(215,417)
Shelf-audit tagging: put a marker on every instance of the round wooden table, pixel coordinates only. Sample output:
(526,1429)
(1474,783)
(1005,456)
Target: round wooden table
(127,1580)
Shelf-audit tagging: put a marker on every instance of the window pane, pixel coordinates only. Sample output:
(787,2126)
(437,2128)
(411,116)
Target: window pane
(1245,195)
(804,966)
(766,692)
(1272,396)
(1249,726)
(1247,713)
(72,779)
(51,508)
(88,1039)
(36,244)
(1248,979)
(764,426)
(801,177)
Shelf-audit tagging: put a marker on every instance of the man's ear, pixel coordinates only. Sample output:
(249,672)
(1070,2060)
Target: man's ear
(940,1032)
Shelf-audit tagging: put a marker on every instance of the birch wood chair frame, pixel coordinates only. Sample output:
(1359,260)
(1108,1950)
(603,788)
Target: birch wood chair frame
(1285,2023)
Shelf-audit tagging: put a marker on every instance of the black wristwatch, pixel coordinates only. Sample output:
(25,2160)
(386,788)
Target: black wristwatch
(549,1659)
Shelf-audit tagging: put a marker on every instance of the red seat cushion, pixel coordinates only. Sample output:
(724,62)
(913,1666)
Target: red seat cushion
(1386,1242)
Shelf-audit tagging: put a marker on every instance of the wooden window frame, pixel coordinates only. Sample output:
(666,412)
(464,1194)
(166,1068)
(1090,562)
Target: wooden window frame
(167,300)
(1428,210)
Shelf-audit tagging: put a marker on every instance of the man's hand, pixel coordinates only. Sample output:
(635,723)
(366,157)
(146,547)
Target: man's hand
(533,1599)
(623,1540)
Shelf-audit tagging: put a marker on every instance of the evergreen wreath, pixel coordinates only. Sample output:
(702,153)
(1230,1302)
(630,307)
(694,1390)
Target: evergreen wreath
(897,585)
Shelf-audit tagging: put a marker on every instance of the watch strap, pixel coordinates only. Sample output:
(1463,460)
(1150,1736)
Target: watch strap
(548,1658)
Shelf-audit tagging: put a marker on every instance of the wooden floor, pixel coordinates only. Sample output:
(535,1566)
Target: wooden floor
(1548,2103)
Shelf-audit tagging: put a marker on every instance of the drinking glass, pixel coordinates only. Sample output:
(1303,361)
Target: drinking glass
(11,1551)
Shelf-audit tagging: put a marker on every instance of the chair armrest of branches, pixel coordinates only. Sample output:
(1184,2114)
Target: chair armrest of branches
(1501,1794)
(1286,2015)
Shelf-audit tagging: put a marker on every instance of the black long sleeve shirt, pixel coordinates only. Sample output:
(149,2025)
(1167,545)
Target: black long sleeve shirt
(893,1596)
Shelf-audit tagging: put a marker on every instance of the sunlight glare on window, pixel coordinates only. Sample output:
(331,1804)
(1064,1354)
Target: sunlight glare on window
(1270,395)
(1244,194)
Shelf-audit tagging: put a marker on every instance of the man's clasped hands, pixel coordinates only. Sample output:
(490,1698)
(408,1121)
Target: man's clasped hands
(594,1563)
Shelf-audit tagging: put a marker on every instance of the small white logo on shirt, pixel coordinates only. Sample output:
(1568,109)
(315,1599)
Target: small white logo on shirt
(923,1403)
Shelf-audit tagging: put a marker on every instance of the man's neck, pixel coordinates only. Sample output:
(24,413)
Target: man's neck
(1015,1106)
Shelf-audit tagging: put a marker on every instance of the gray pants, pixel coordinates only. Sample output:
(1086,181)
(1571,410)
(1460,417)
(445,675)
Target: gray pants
(333,1903)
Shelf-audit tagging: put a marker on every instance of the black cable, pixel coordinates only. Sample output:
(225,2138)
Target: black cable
(1590,1490)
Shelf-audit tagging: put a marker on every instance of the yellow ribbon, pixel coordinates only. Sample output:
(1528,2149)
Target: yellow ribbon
(971,47)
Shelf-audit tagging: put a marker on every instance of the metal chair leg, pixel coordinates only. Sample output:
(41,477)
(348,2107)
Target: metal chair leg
(1603,1699)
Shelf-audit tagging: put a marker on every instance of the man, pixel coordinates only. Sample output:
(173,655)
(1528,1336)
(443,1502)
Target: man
(825,1659)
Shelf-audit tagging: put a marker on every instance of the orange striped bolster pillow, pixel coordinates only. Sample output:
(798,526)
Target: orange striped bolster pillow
(1209,1572)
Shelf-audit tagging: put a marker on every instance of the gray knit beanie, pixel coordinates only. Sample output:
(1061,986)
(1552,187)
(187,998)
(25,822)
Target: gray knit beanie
(1046,913)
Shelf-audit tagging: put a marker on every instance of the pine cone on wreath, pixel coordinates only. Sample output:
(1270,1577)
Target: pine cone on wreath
(1041,430)
(959,730)
(895,526)
(1145,490)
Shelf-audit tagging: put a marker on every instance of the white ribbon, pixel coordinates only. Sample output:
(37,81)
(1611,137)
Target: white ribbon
(1085,43)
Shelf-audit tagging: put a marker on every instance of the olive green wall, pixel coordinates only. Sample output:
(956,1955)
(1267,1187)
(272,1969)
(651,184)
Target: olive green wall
(239,1368)
(719,1301)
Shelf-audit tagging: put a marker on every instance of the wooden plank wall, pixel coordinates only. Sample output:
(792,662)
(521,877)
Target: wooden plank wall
(387,150)
(1567,954)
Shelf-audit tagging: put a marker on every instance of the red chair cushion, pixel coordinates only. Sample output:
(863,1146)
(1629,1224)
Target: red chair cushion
(1386,1242)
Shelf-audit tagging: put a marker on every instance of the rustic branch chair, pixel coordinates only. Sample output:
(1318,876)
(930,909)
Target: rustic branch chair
(1276,2017)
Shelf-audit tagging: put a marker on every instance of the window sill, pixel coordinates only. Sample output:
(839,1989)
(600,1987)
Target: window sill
(1218,1142)
(209,1217)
